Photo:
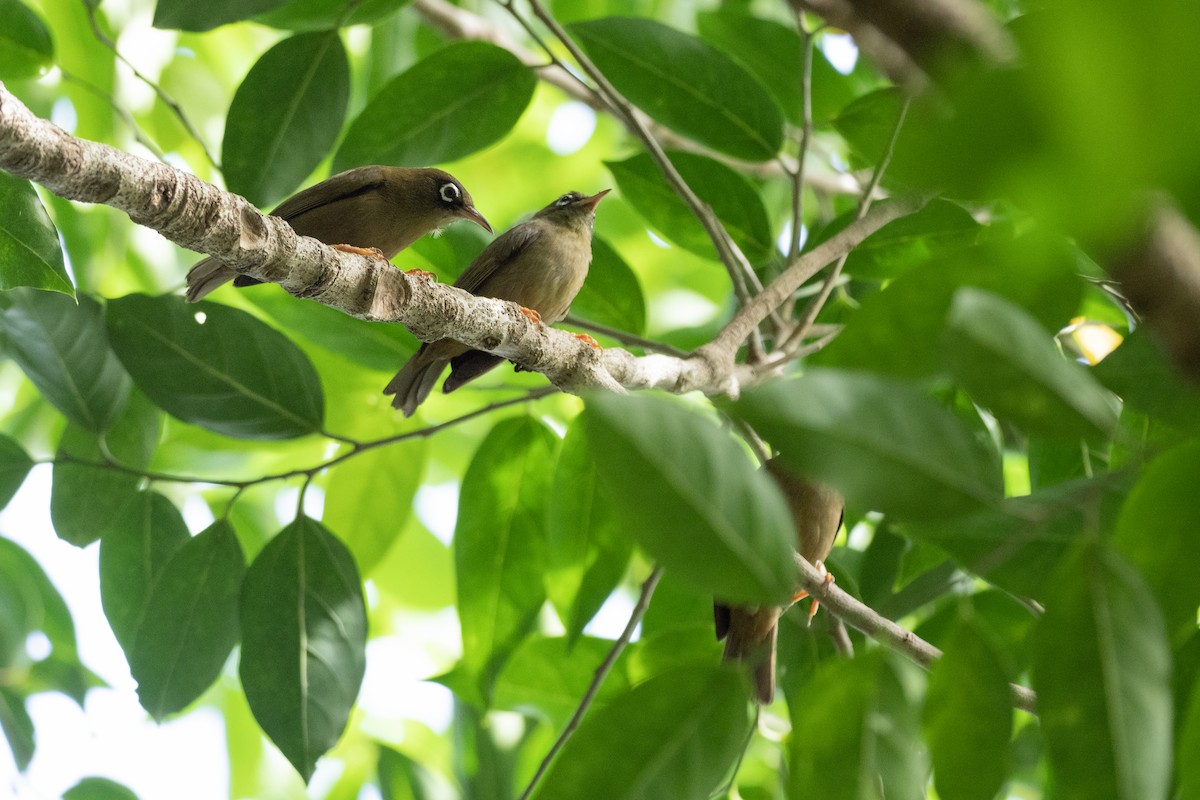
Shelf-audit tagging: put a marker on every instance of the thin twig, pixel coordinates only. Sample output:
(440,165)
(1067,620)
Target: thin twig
(635,617)
(624,337)
(864,205)
(740,271)
(356,448)
(125,116)
(806,132)
(167,100)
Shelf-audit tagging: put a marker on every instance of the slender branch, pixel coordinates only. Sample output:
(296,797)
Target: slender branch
(740,272)
(625,337)
(635,617)
(858,615)
(864,205)
(166,99)
(806,132)
(356,448)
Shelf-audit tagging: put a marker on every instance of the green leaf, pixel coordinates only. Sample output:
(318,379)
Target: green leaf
(676,735)
(940,228)
(1156,531)
(731,197)
(186,15)
(26,48)
(1188,768)
(685,84)
(884,444)
(61,345)
(587,549)
(190,623)
(691,498)
(611,295)
(462,98)
(29,603)
(547,676)
(402,778)
(133,553)
(500,543)
(382,346)
(17,727)
(856,735)
(968,716)
(867,125)
(93,788)
(216,367)
(1102,673)
(353,506)
(1010,364)
(84,500)
(304,636)
(15,464)
(30,254)
(285,116)
(898,331)
(321,15)
(1146,380)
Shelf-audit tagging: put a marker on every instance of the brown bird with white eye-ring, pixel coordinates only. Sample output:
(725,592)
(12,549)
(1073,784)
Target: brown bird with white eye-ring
(750,631)
(361,210)
(539,264)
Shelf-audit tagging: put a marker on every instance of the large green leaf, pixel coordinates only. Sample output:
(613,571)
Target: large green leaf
(133,553)
(685,84)
(462,98)
(1189,743)
(611,295)
(883,443)
(689,495)
(29,251)
(500,543)
(855,735)
(1157,532)
(968,716)
(190,623)
(676,736)
(286,115)
(940,228)
(94,788)
(304,636)
(867,124)
(1010,364)
(26,48)
(369,499)
(15,464)
(1102,673)
(898,331)
(216,367)
(186,15)
(587,549)
(1147,381)
(84,499)
(17,726)
(61,345)
(731,197)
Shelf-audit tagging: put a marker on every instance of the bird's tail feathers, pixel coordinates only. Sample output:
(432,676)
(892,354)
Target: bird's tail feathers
(206,276)
(749,641)
(415,381)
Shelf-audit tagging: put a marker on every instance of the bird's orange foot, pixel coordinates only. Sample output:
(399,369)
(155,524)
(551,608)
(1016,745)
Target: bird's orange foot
(583,337)
(827,577)
(369,252)
(534,317)
(420,273)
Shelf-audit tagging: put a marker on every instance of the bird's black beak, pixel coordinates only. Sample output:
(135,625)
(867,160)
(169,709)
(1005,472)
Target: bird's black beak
(590,203)
(472,213)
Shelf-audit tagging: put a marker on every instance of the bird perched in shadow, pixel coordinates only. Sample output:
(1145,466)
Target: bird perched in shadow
(540,264)
(750,631)
(360,210)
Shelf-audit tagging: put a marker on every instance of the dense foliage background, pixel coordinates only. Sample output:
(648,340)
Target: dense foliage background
(1018,453)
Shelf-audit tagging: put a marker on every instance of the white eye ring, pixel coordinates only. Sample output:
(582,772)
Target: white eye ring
(565,200)
(450,193)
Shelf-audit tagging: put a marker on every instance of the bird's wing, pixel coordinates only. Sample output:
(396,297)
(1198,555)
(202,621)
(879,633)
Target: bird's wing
(344,185)
(502,250)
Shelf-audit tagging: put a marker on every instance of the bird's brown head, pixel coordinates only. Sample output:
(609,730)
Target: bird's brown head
(451,198)
(573,209)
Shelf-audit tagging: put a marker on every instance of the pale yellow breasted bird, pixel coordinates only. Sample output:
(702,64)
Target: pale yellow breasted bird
(750,631)
(363,209)
(540,264)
